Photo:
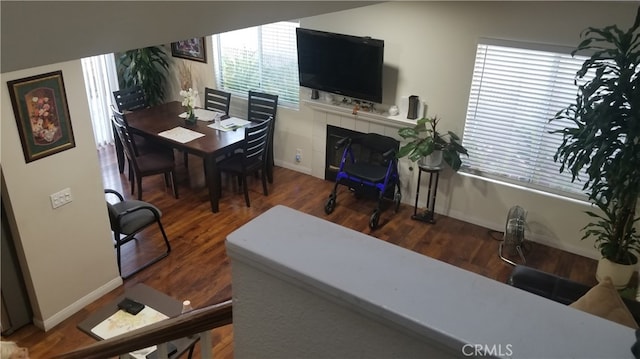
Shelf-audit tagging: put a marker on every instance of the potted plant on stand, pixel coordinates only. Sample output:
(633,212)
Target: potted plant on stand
(429,147)
(605,143)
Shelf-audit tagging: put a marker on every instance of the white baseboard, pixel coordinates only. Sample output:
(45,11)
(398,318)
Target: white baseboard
(293,167)
(534,237)
(77,306)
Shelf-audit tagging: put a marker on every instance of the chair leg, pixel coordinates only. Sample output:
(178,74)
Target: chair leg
(264,183)
(164,236)
(174,184)
(149,263)
(132,179)
(139,181)
(119,151)
(116,237)
(270,163)
(246,189)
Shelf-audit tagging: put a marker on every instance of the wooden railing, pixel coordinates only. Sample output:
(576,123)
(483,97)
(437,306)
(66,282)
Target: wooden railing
(197,322)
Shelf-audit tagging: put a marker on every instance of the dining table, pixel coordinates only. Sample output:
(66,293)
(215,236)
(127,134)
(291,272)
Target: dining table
(157,121)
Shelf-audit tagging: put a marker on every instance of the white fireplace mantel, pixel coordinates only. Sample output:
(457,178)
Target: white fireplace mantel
(342,116)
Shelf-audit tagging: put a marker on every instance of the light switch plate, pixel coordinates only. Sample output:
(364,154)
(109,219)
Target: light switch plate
(61,198)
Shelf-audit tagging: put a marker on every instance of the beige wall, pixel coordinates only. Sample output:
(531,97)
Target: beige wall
(433,45)
(67,253)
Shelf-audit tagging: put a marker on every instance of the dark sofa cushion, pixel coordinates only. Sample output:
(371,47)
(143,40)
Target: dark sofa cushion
(556,288)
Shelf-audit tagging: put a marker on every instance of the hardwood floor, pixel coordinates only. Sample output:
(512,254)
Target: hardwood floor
(198,268)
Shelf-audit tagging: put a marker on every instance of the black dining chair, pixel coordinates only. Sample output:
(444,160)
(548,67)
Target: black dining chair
(127,219)
(263,106)
(144,164)
(141,145)
(128,99)
(251,159)
(214,100)
(217,100)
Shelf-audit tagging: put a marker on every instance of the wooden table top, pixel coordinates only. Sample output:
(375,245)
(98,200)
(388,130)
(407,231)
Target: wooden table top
(153,120)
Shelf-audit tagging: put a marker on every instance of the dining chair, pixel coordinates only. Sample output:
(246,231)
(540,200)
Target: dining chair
(251,159)
(263,106)
(217,100)
(144,164)
(141,145)
(128,218)
(128,99)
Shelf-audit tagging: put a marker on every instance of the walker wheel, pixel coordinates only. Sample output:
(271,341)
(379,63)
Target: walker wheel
(375,218)
(330,205)
(396,200)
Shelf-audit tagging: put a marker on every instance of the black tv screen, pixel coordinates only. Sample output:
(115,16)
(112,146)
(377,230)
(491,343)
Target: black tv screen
(342,64)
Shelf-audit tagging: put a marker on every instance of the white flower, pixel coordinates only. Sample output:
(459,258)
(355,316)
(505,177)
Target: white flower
(189,97)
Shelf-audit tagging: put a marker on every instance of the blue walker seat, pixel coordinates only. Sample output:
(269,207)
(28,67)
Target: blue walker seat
(368,167)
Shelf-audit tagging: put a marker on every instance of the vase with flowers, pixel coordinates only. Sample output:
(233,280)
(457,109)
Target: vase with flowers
(188,101)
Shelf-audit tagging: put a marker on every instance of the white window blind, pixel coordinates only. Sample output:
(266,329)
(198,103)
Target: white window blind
(262,58)
(515,90)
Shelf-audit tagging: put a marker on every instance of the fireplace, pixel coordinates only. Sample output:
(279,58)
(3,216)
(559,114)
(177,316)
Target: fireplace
(333,156)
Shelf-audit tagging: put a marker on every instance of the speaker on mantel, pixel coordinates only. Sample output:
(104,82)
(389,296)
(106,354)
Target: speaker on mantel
(414,103)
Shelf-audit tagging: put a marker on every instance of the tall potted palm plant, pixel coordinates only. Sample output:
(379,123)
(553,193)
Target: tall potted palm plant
(147,68)
(605,143)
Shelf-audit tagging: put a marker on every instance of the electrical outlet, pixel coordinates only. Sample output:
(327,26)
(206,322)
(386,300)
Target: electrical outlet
(61,198)
(298,155)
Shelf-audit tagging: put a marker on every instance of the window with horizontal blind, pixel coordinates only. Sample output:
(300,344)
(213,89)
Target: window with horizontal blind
(262,58)
(516,89)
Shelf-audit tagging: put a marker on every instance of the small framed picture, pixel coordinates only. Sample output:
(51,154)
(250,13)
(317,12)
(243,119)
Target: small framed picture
(42,115)
(191,49)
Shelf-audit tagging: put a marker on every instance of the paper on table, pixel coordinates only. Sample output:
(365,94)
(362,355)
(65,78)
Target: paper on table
(204,115)
(122,322)
(230,123)
(181,134)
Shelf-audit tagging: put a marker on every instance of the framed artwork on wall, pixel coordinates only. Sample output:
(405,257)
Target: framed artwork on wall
(191,49)
(42,115)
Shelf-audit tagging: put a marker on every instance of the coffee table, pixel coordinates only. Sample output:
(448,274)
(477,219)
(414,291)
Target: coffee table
(149,297)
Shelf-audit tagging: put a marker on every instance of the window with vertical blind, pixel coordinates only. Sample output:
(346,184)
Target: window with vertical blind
(515,90)
(262,58)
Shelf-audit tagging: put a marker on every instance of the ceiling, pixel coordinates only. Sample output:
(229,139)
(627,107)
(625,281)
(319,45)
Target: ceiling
(36,33)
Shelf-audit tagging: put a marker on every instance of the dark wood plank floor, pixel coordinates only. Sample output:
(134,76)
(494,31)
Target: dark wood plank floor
(198,269)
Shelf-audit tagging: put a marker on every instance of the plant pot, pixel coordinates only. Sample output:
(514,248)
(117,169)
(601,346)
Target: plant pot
(432,160)
(620,274)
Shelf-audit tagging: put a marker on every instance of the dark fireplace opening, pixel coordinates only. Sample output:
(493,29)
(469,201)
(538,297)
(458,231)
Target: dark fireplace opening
(333,156)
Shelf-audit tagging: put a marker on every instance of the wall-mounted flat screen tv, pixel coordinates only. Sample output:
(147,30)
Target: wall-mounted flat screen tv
(341,64)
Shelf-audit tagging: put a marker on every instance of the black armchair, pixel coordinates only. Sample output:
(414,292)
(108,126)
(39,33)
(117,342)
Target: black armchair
(128,218)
